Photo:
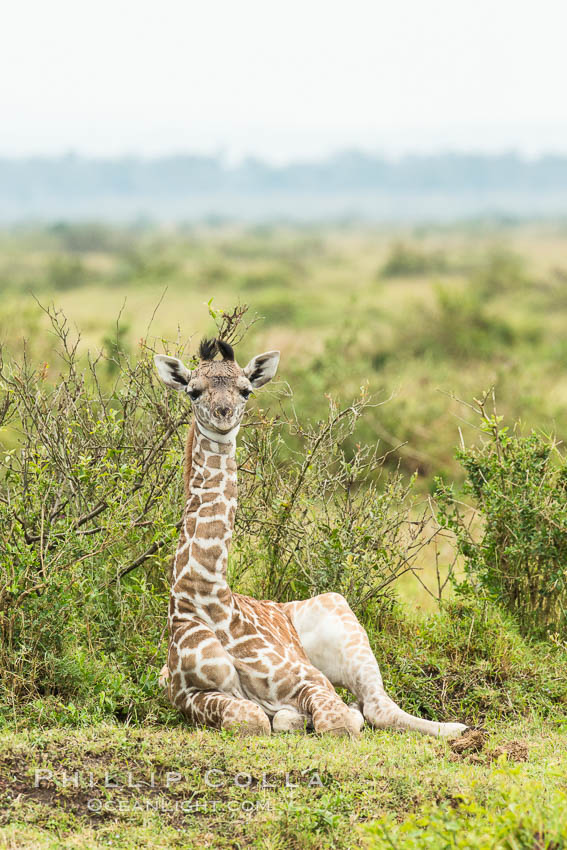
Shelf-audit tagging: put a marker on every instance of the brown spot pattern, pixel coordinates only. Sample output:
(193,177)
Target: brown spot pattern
(211,530)
(260,653)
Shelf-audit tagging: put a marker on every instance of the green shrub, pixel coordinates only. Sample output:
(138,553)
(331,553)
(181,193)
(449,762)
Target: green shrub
(519,558)
(278,309)
(66,272)
(323,518)
(458,326)
(276,278)
(405,260)
(501,272)
(90,484)
(144,265)
(83,237)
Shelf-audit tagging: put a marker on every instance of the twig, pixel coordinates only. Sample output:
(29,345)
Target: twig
(144,556)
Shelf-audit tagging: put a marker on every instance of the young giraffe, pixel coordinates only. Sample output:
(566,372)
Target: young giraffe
(234,661)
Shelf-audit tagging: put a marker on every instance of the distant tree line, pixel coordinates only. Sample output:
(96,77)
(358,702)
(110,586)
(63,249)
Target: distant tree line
(73,176)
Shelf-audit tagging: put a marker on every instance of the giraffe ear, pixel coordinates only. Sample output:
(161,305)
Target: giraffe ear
(262,368)
(172,371)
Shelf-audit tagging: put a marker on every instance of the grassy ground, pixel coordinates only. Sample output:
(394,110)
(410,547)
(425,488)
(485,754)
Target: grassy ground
(92,788)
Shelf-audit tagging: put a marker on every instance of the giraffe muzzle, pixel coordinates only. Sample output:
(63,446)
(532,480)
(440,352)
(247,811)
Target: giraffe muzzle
(223,412)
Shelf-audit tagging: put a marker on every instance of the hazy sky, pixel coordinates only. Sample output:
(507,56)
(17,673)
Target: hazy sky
(283,79)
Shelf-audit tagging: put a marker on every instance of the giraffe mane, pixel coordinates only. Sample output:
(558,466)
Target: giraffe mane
(188,466)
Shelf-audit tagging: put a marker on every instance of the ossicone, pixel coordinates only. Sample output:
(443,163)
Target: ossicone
(225,349)
(209,347)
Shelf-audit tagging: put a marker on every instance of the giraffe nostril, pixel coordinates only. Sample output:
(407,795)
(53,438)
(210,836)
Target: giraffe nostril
(223,411)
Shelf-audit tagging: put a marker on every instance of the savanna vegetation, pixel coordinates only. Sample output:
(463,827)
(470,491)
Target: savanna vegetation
(410,456)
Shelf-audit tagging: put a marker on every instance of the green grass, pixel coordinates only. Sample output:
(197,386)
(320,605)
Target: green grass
(318,792)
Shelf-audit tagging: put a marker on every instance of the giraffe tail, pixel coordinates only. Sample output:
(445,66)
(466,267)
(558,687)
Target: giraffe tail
(164,676)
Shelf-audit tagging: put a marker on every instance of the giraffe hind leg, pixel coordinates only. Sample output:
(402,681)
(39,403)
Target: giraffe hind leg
(338,645)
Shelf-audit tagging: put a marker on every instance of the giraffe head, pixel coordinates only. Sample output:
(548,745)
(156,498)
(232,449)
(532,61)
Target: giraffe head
(218,389)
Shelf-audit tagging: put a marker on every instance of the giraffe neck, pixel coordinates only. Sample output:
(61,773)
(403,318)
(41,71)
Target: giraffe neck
(199,573)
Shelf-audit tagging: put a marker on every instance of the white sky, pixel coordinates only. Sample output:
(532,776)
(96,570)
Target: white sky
(282,79)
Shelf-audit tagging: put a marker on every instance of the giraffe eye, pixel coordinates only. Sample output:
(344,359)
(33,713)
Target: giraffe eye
(246,393)
(194,394)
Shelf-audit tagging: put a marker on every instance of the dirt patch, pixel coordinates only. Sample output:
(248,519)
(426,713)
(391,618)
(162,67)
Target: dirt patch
(96,804)
(471,746)
(471,741)
(98,792)
(514,750)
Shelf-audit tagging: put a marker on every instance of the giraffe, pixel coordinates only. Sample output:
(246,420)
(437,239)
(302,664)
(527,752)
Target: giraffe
(239,663)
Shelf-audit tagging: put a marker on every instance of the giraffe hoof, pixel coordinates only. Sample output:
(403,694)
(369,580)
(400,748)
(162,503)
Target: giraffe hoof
(451,730)
(350,731)
(347,726)
(252,721)
(357,717)
(338,731)
(286,720)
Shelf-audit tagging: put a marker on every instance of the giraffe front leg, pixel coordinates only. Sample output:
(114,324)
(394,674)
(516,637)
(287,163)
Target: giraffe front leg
(204,685)
(221,711)
(289,720)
